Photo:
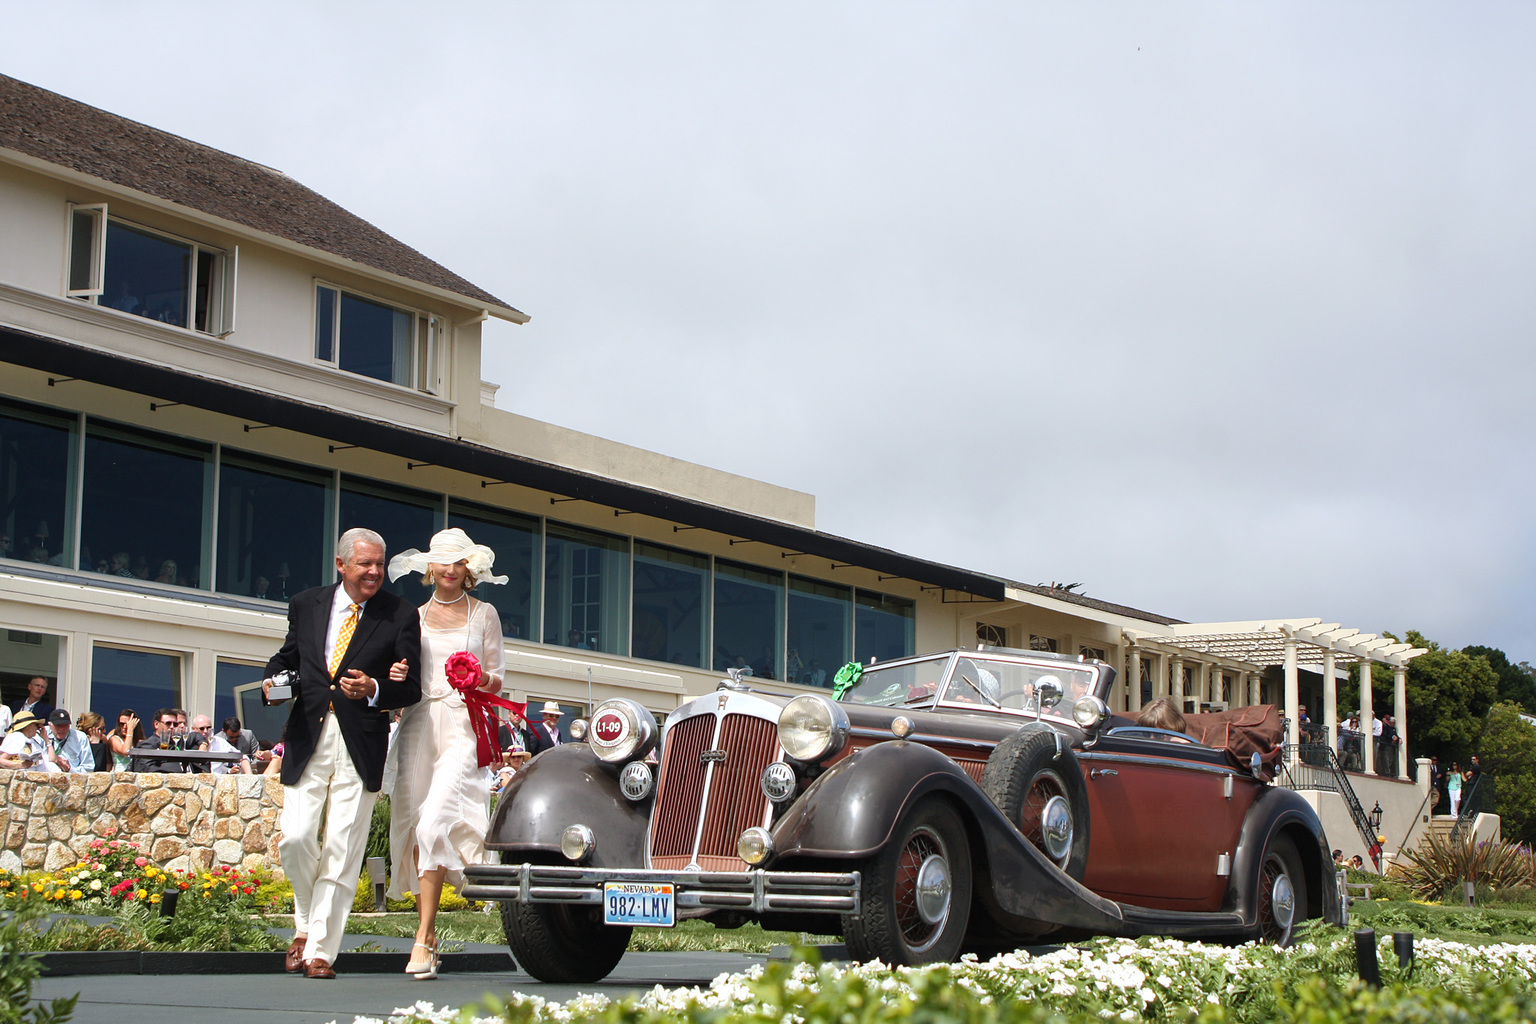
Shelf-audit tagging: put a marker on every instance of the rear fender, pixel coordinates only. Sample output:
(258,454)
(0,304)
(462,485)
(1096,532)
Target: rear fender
(563,786)
(1278,810)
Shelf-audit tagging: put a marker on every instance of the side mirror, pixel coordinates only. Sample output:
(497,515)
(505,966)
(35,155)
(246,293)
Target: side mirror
(1255,763)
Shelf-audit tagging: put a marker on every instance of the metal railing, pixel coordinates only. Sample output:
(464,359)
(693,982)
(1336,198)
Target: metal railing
(1315,766)
(1478,798)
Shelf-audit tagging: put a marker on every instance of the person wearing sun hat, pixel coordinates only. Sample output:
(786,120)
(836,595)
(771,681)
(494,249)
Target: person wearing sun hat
(24,747)
(546,733)
(440,808)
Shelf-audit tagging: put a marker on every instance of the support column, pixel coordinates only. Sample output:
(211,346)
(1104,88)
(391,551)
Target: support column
(1400,712)
(1252,681)
(1203,686)
(1292,691)
(1160,677)
(1132,677)
(1176,681)
(1330,699)
(1367,713)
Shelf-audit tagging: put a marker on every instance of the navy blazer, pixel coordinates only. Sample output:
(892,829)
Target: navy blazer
(388,631)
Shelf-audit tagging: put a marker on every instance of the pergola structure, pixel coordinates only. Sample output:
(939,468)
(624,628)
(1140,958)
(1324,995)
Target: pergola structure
(1248,648)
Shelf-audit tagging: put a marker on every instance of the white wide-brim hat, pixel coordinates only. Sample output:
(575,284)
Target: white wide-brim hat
(448,546)
(551,708)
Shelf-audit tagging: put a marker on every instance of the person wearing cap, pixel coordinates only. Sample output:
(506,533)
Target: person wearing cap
(70,747)
(547,733)
(440,807)
(24,748)
(342,640)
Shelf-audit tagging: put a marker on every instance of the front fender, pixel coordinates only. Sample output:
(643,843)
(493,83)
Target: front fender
(563,786)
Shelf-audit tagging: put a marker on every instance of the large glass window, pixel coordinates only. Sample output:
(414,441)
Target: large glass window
(34,484)
(586,589)
(375,339)
(671,621)
(884,627)
(145,500)
(25,655)
(237,692)
(749,619)
(515,539)
(820,631)
(405,519)
(150,274)
(272,527)
(141,681)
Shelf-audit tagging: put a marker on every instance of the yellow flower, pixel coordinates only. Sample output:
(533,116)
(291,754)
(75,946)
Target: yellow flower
(140,894)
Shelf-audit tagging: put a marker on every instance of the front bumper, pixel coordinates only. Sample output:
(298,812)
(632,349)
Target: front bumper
(756,892)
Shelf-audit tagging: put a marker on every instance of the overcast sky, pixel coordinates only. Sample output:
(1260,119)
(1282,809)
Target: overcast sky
(1221,310)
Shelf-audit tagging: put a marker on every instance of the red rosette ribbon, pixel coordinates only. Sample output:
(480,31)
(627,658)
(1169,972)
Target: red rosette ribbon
(464,672)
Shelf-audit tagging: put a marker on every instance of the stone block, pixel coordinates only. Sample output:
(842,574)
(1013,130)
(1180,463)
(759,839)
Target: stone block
(37,829)
(81,844)
(10,861)
(194,803)
(171,821)
(16,835)
(166,848)
(182,864)
(61,826)
(154,800)
(33,856)
(179,781)
(120,795)
(5,819)
(250,808)
(105,825)
(227,851)
(201,858)
(134,821)
(251,787)
(255,839)
(226,799)
(272,787)
(58,857)
(22,789)
(98,783)
(149,780)
(221,827)
(74,795)
(270,816)
(201,833)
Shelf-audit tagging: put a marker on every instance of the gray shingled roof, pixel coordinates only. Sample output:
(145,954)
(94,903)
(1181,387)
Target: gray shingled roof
(62,131)
(1071,597)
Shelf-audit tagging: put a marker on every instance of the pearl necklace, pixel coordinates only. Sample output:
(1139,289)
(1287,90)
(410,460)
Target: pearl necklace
(456,600)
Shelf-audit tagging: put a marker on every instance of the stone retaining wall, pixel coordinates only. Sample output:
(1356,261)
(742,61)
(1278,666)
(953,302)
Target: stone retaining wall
(181,822)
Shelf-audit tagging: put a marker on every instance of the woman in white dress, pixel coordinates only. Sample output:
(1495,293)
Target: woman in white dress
(439,811)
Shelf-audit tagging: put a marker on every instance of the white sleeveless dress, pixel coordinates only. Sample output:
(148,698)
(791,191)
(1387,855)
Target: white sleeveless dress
(441,800)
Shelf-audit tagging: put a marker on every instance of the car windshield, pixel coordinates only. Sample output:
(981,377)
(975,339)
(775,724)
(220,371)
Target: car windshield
(910,682)
(997,683)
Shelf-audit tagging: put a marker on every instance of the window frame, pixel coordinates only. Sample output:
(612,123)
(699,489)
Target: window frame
(221,280)
(424,363)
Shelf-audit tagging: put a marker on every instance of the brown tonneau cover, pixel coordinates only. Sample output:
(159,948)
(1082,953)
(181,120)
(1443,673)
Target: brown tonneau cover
(1241,732)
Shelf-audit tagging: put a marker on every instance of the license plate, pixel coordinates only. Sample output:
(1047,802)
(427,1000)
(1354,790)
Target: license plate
(638,903)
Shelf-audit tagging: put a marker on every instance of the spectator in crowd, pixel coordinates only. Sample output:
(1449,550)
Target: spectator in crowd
(1386,747)
(1357,862)
(1453,783)
(167,572)
(1338,858)
(165,733)
(233,739)
(24,747)
(95,729)
(69,745)
(201,732)
(1161,714)
(1436,782)
(1471,792)
(5,720)
(547,733)
(36,700)
(128,734)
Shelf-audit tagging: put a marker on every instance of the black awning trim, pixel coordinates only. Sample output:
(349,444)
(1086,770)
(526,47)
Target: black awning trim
(50,355)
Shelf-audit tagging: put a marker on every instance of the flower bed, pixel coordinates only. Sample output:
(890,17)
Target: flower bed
(114,872)
(1105,979)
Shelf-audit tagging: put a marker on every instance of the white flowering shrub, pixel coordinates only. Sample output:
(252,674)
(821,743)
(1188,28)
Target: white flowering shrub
(1104,979)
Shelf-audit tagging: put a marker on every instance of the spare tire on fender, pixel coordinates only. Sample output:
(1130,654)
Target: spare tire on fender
(1035,780)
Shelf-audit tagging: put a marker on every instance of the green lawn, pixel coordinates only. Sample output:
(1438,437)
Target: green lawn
(476,926)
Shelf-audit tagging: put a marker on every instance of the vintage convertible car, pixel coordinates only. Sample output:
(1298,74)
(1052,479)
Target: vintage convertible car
(966,800)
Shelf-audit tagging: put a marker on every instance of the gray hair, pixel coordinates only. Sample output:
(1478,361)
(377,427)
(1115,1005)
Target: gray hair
(347,545)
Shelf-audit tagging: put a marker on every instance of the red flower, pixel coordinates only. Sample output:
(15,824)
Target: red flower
(463,670)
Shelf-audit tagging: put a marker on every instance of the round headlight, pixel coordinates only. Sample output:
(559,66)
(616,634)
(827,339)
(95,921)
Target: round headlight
(812,728)
(578,730)
(1089,712)
(778,782)
(636,780)
(755,845)
(621,730)
(577,843)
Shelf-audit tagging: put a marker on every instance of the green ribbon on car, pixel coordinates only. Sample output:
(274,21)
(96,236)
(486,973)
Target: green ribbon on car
(845,679)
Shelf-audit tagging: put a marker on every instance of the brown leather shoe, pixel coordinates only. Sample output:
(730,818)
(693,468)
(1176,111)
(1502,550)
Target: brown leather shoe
(293,963)
(318,969)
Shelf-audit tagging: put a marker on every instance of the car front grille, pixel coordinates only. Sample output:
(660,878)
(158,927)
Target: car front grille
(720,791)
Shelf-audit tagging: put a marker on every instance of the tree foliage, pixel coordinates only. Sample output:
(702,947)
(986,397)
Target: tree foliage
(1517,683)
(1508,753)
(1449,694)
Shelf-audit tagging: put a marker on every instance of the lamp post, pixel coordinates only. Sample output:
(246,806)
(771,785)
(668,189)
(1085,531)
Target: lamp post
(1376,817)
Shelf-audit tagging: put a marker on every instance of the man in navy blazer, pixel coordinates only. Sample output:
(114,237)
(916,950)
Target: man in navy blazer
(342,640)
(36,700)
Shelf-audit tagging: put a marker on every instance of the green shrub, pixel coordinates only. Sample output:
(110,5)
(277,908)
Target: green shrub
(1441,863)
(19,971)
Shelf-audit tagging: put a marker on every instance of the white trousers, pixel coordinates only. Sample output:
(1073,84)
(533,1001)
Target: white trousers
(324,877)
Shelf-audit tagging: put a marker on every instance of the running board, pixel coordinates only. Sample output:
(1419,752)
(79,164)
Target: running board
(1177,923)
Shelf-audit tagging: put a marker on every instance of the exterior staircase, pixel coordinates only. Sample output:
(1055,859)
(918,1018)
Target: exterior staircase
(1315,766)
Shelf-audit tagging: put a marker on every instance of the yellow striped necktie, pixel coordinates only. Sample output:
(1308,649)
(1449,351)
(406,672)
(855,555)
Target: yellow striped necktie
(343,638)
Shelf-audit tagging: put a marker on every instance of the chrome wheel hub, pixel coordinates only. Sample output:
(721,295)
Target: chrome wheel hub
(933,889)
(1282,902)
(1056,829)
